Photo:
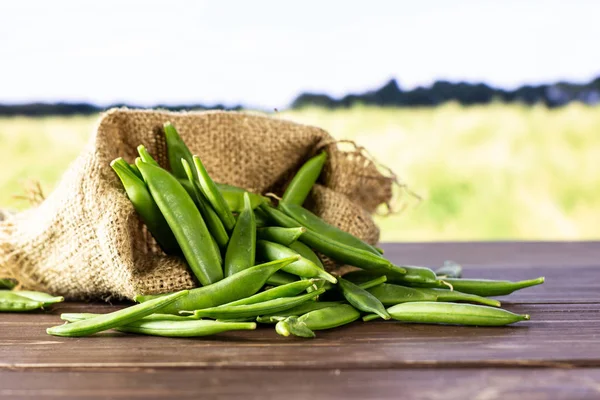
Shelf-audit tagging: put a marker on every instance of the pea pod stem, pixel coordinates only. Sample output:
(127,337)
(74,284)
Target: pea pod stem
(297,311)
(234,197)
(281,278)
(115,319)
(12,302)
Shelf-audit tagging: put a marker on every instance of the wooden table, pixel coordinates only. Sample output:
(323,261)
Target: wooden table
(555,355)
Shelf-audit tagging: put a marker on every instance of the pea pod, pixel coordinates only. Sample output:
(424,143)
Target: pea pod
(277,234)
(261,218)
(445,295)
(212,194)
(325,318)
(213,222)
(115,319)
(316,224)
(188,328)
(301,184)
(145,156)
(291,289)
(414,275)
(7,283)
(74,317)
(256,309)
(176,151)
(241,250)
(44,298)
(11,302)
(310,255)
(453,314)
(332,248)
(145,206)
(449,270)
(281,278)
(362,299)
(303,267)
(485,287)
(239,286)
(296,311)
(373,282)
(390,294)
(185,221)
(234,196)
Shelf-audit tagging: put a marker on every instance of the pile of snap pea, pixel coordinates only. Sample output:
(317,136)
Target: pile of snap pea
(257,262)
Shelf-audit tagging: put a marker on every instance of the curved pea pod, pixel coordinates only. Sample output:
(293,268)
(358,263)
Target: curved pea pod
(44,298)
(288,290)
(74,317)
(213,222)
(332,248)
(281,278)
(189,328)
(11,302)
(325,318)
(277,234)
(453,314)
(185,221)
(296,311)
(7,283)
(484,287)
(256,309)
(418,275)
(232,288)
(145,206)
(241,250)
(314,223)
(177,150)
(446,295)
(115,319)
(303,267)
(373,282)
(362,299)
(449,270)
(145,156)
(301,184)
(213,195)
(234,197)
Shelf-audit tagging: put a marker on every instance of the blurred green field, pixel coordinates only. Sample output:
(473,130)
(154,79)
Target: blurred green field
(485,173)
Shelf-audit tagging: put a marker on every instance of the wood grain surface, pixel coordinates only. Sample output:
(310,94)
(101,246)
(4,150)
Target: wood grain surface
(555,355)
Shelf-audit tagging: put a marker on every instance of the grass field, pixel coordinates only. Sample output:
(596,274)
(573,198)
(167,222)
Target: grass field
(488,172)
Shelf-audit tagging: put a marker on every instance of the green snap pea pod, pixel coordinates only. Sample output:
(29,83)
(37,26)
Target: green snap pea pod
(249,319)
(449,270)
(281,278)
(362,299)
(188,188)
(74,317)
(303,267)
(296,311)
(445,295)
(185,221)
(261,218)
(359,277)
(418,275)
(213,222)
(307,253)
(115,319)
(332,248)
(234,196)
(291,289)
(325,318)
(379,250)
(7,283)
(177,150)
(277,234)
(241,250)
(146,157)
(11,302)
(232,288)
(145,206)
(484,287)
(45,298)
(454,314)
(315,223)
(301,184)
(188,328)
(212,194)
(373,282)
(136,171)
(256,309)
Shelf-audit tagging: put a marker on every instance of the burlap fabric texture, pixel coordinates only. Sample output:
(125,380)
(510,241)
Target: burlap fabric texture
(85,241)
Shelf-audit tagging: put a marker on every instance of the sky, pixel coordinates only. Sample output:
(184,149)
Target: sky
(264,53)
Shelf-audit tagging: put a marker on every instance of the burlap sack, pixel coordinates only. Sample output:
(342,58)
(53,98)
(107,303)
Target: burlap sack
(85,241)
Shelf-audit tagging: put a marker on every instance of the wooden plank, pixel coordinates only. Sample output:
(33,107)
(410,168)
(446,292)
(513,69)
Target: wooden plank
(497,254)
(558,335)
(418,384)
